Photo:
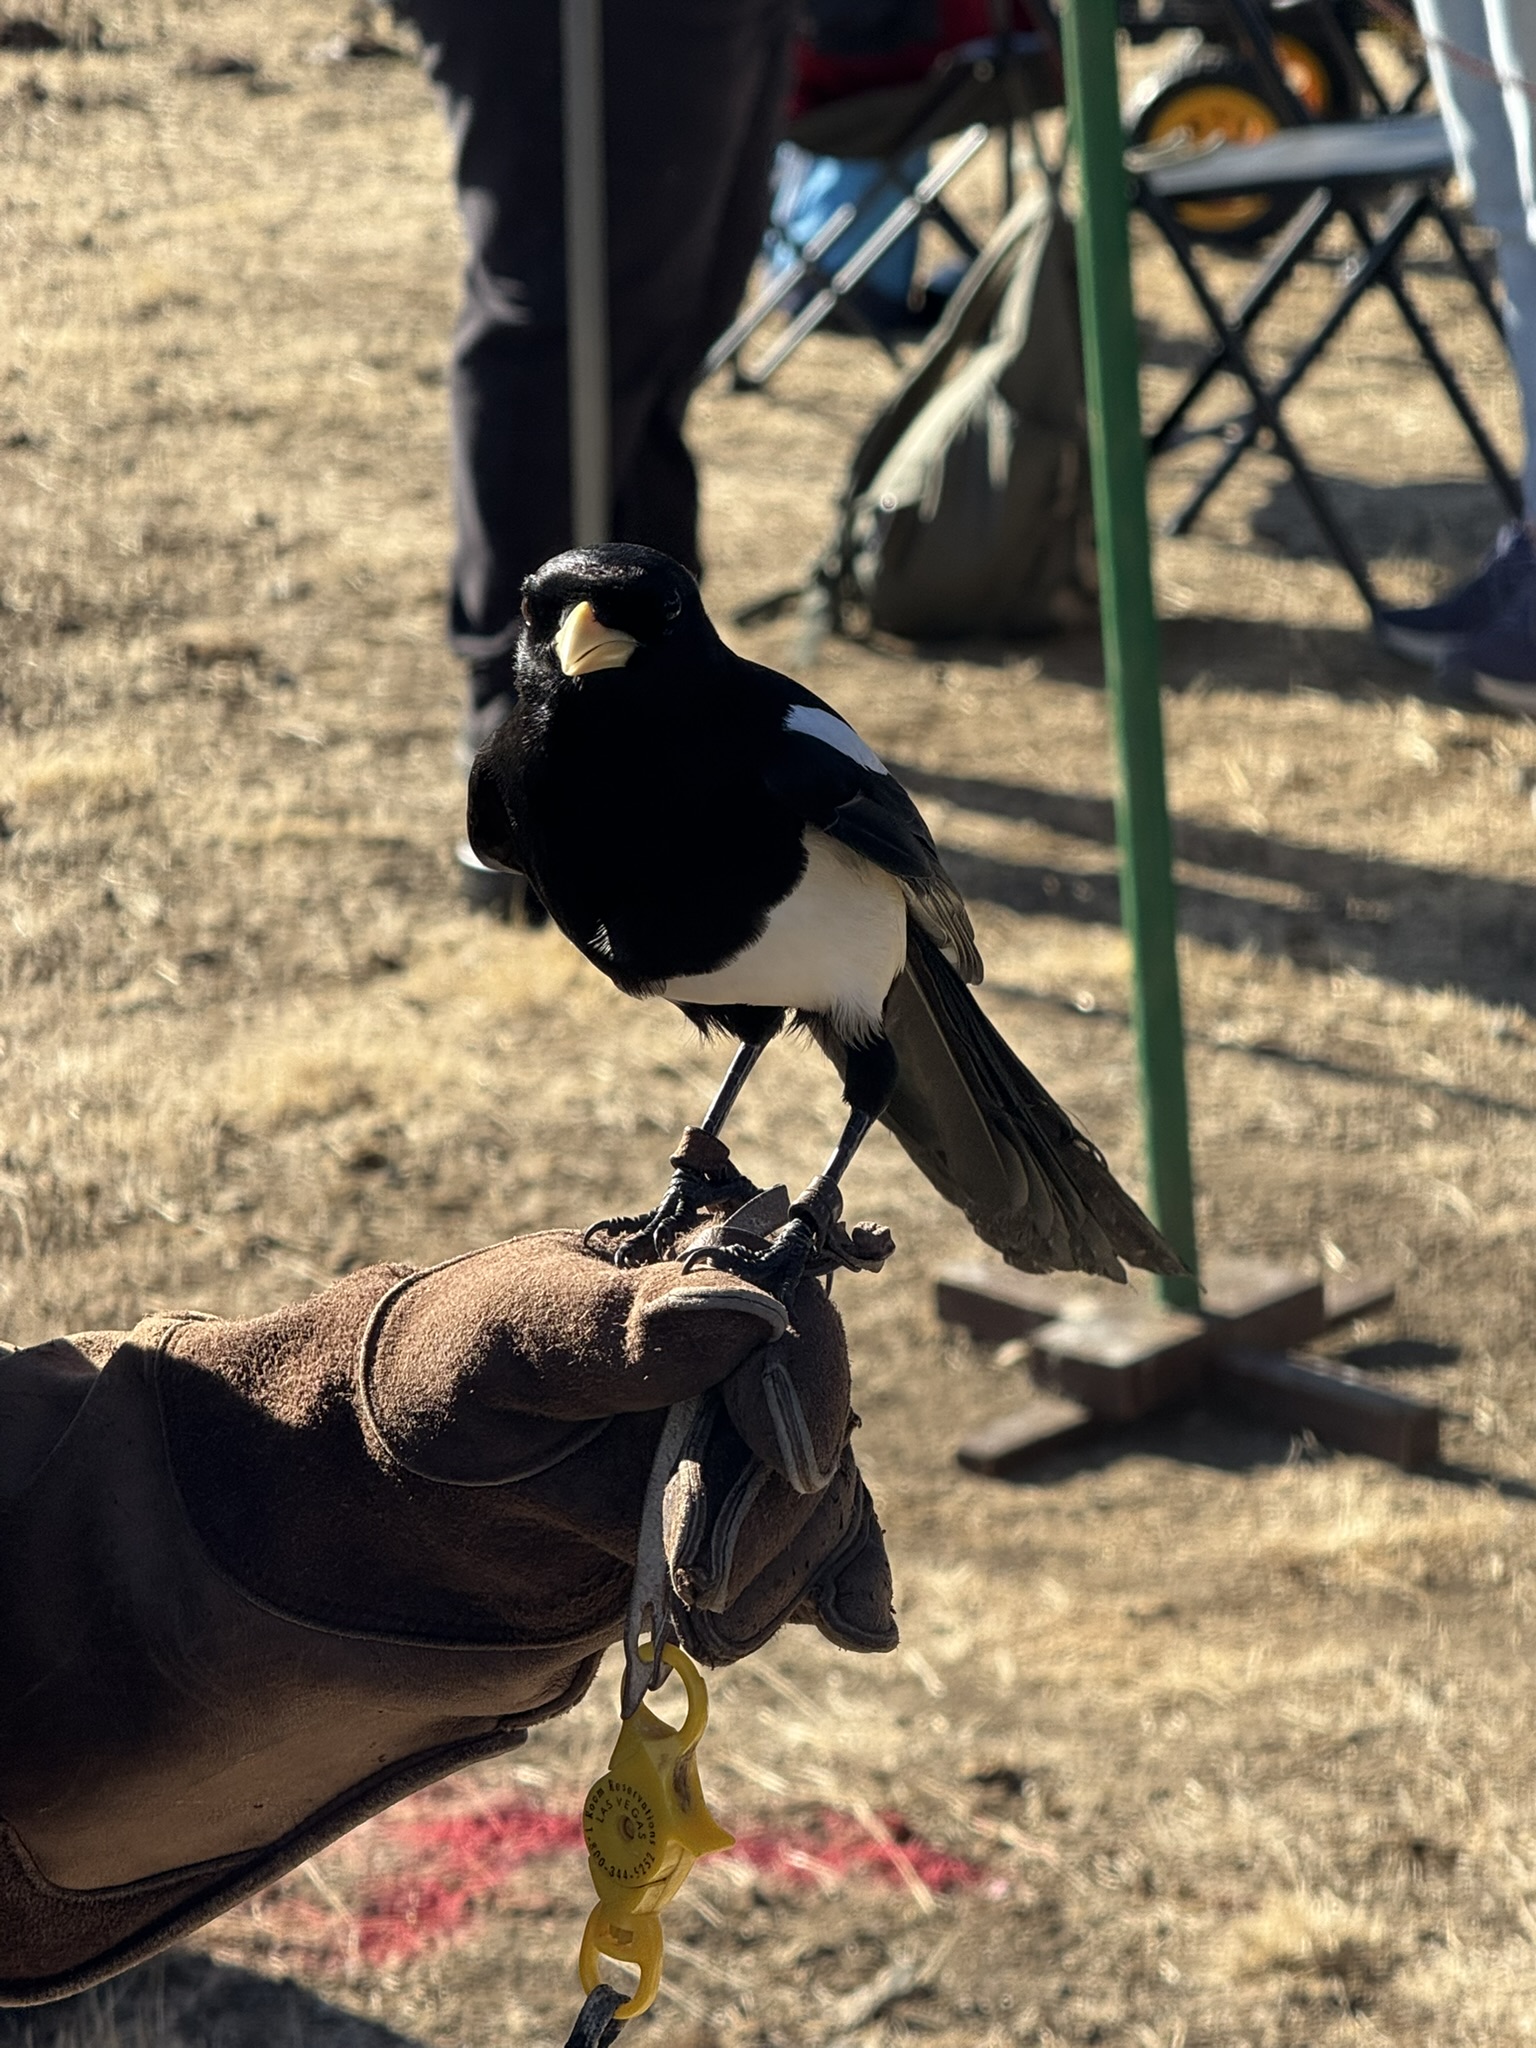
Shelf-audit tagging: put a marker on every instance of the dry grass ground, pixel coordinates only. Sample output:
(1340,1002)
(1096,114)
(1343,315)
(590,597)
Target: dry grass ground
(1239,1734)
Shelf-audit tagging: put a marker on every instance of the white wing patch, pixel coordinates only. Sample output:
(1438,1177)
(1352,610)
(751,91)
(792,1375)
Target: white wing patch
(833,732)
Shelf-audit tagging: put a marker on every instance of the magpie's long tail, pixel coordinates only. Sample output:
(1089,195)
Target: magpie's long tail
(984,1131)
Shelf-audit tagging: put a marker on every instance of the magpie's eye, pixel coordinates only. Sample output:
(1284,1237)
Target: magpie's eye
(645,613)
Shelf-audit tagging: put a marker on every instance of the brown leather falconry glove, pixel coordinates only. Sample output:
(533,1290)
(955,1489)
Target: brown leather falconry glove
(259,1579)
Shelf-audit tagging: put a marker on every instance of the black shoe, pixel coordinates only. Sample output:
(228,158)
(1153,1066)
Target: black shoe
(1502,661)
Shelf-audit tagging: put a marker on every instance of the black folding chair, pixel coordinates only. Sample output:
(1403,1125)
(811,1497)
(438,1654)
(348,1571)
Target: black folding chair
(1397,167)
(975,90)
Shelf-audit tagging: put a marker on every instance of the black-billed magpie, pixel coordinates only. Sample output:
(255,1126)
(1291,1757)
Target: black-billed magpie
(708,830)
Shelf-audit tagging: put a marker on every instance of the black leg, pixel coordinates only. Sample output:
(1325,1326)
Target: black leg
(855,1131)
(822,1203)
(702,1174)
(869,1076)
(747,1057)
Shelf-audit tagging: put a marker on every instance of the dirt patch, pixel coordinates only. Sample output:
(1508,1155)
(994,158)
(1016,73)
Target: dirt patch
(1233,1737)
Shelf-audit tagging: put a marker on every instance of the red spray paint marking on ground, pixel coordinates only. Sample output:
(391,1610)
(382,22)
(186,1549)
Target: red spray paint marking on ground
(456,1862)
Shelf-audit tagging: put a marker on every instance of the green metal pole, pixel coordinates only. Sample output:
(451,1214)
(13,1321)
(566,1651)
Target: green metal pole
(1129,622)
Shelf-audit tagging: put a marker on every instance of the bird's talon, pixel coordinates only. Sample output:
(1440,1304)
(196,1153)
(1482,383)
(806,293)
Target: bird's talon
(642,1249)
(610,1226)
(645,1240)
(777,1264)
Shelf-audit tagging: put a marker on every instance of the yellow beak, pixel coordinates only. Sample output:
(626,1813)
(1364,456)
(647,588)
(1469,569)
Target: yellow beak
(584,644)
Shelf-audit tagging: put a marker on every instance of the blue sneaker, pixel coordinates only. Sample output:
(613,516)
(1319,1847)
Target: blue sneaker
(1502,661)
(1428,633)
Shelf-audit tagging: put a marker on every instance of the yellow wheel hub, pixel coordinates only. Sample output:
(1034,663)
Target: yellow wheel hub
(1212,111)
(1306,74)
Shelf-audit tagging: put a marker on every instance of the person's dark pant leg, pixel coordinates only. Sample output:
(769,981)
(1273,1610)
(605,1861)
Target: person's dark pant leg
(693,89)
(497,69)
(713,79)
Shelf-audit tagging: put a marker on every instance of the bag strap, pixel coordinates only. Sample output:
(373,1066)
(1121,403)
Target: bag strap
(964,324)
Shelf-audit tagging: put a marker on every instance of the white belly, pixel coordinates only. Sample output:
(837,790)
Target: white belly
(834,945)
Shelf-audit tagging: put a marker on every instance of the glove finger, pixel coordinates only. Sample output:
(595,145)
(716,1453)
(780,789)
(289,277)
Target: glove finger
(852,1599)
(687,1331)
(792,1572)
(473,1372)
(790,1401)
(711,1462)
(725,1517)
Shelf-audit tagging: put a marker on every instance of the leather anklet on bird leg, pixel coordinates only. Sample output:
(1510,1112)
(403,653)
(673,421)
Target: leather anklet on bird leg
(812,1239)
(703,1180)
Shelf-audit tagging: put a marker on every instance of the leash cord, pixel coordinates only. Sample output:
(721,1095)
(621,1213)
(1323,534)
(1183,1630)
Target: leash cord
(595,2025)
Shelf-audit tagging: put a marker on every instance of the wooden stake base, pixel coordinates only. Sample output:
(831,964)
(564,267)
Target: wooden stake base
(1121,1363)
(1107,1356)
(1047,1424)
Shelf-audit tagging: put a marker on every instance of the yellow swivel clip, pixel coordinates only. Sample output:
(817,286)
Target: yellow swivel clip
(645,1822)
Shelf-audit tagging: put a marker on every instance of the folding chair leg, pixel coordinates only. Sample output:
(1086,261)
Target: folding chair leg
(1503,482)
(966,243)
(805,264)
(1374,269)
(1293,245)
(1266,414)
(1350,559)
(1255,41)
(912,209)
(1471,271)
(1240,437)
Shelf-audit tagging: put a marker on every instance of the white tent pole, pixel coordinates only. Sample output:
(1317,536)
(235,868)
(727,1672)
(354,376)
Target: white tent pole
(586,267)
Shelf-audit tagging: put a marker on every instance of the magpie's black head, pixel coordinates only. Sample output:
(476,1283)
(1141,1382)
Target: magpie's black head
(606,607)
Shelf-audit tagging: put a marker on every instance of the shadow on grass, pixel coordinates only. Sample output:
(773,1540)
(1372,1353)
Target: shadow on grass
(1222,1441)
(1421,927)
(185,2000)
(1265,1050)
(1392,1352)
(1258,657)
(1447,521)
